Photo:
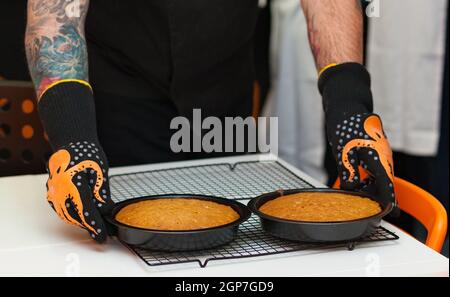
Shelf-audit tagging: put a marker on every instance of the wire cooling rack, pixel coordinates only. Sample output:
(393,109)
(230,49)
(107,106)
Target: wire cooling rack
(240,181)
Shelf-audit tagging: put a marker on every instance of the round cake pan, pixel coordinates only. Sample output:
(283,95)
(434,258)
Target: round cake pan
(303,231)
(178,240)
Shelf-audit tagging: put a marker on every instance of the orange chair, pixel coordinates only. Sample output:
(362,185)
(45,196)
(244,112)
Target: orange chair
(424,207)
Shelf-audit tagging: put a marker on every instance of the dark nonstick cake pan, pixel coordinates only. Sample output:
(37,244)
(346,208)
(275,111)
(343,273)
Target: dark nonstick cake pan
(178,240)
(303,231)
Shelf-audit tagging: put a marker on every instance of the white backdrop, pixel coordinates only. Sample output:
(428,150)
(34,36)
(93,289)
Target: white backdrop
(294,96)
(406,49)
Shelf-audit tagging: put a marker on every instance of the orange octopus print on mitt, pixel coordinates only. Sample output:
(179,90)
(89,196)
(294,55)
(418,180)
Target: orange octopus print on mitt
(78,187)
(360,141)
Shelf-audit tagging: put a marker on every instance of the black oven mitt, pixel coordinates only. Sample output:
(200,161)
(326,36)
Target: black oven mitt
(354,133)
(77,186)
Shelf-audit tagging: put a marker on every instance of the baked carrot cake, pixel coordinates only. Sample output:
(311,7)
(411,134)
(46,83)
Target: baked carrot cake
(176,214)
(321,207)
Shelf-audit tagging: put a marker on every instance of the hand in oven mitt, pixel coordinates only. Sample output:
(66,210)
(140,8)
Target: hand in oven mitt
(361,141)
(78,187)
(355,133)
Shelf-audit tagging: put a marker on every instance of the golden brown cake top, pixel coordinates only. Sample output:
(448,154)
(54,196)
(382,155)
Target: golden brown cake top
(321,207)
(176,214)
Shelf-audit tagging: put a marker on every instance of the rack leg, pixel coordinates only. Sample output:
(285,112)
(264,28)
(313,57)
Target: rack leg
(351,246)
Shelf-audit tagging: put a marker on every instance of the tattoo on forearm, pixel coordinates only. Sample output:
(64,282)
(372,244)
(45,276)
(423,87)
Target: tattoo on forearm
(334,30)
(55,43)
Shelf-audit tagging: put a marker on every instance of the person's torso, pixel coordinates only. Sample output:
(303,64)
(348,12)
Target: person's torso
(191,51)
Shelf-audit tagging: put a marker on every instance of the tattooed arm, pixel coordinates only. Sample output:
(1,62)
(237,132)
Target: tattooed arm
(54,41)
(335,30)
(78,183)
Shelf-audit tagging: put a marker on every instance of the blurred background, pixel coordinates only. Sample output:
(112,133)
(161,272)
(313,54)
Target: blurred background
(406,53)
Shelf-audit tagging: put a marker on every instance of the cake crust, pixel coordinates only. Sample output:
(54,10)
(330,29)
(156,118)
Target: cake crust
(170,214)
(321,207)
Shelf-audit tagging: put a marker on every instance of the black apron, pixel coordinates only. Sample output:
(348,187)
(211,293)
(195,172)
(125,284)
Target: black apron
(182,54)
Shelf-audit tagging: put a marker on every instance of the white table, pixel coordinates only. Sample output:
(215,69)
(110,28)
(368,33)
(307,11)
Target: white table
(35,242)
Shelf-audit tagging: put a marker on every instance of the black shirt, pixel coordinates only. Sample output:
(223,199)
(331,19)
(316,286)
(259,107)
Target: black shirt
(196,53)
(153,60)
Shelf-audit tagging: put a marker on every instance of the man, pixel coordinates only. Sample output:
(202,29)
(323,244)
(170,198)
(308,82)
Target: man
(153,60)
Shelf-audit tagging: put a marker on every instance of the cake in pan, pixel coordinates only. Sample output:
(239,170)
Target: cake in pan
(170,214)
(321,207)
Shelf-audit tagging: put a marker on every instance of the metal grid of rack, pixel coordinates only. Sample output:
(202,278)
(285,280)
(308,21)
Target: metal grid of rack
(240,181)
